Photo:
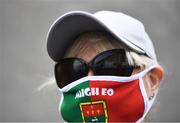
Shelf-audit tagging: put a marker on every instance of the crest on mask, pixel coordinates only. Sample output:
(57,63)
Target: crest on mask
(95,111)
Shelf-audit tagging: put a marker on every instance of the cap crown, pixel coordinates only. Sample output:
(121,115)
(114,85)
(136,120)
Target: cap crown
(129,29)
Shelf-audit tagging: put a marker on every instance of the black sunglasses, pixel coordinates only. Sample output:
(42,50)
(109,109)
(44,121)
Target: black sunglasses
(112,62)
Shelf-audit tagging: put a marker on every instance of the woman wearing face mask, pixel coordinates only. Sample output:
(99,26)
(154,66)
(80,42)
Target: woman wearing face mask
(106,67)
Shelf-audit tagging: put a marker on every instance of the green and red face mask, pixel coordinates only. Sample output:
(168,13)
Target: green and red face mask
(106,99)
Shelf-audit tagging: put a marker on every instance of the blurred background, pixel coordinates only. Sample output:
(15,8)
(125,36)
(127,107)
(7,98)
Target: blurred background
(25,64)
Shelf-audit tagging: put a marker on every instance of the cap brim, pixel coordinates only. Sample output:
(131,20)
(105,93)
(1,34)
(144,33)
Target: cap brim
(69,26)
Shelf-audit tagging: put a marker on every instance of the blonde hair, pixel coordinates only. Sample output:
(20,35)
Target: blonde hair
(103,41)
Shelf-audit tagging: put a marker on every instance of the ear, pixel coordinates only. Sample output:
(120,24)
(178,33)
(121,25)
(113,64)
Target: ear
(155,76)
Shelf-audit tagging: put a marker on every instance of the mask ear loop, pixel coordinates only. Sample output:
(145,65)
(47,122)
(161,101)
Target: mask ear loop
(141,74)
(147,100)
(149,104)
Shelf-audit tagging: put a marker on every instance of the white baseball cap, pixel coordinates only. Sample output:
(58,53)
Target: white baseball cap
(127,29)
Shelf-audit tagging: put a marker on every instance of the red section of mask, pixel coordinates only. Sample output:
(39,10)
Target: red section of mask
(125,105)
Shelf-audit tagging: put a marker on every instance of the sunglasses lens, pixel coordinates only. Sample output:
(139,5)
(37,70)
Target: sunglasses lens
(69,70)
(113,63)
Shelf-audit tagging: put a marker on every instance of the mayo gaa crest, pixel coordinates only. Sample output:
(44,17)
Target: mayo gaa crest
(95,111)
